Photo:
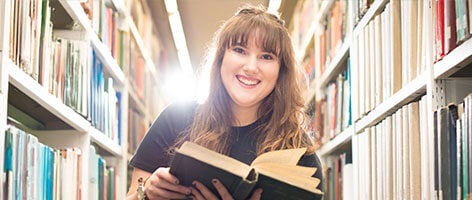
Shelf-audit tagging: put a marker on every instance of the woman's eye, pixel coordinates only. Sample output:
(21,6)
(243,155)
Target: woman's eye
(238,50)
(267,57)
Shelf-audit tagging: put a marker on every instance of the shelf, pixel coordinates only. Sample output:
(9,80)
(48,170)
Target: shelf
(334,144)
(335,66)
(136,103)
(458,58)
(413,90)
(315,24)
(105,143)
(374,9)
(4,25)
(34,91)
(74,9)
(312,90)
(144,52)
(119,6)
(3,74)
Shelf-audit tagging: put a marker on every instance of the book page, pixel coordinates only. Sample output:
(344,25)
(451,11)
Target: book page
(285,170)
(286,156)
(298,176)
(215,159)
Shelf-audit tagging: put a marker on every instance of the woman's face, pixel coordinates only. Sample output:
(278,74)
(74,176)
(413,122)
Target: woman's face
(249,74)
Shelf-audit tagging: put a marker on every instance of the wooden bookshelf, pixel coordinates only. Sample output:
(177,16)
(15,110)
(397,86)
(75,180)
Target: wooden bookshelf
(413,90)
(34,109)
(460,57)
(144,52)
(104,142)
(139,106)
(39,94)
(403,114)
(335,144)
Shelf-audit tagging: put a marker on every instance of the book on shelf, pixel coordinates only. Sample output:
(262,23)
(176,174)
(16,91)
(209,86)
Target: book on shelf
(276,172)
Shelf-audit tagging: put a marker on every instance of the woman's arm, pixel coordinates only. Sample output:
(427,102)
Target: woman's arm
(158,185)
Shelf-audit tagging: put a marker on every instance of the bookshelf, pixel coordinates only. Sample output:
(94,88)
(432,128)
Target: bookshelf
(401,76)
(82,119)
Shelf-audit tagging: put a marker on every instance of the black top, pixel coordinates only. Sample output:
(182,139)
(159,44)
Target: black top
(152,153)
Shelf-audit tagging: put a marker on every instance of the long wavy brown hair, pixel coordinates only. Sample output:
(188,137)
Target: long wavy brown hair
(280,115)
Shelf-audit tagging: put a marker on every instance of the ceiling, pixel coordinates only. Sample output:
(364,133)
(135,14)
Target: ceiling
(200,19)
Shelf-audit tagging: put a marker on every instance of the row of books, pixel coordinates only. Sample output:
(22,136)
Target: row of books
(46,40)
(37,171)
(138,126)
(339,177)
(453,150)
(135,57)
(105,107)
(340,20)
(392,159)
(141,15)
(452,21)
(65,73)
(114,30)
(34,170)
(101,178)
(386,54)
(29,22)
(303,19)
(399,158)
(105,22)
(331,113)
(328,41)
(63,64)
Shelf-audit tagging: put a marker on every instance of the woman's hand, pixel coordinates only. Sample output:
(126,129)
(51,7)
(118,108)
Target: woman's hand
(163,185)
(200,192)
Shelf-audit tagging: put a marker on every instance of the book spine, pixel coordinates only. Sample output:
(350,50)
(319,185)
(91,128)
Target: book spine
(244,188)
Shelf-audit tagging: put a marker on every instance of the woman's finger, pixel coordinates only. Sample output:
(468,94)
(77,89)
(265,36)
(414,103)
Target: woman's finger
(167,190)
(224,194)
(197,195)
(169,182)
(163,185)
(256,195)
(206,193)
(160,193)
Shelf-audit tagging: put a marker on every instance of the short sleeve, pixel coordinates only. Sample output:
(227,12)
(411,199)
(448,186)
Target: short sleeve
(152,152)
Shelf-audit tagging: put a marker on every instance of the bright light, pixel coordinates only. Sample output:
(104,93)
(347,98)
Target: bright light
(179,36)
(180,86)
(203,85)
(171,6)
(274,6)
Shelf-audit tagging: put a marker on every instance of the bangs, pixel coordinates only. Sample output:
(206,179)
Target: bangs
(266,36)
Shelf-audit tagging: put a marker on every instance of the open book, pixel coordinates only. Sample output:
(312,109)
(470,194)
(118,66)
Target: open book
(276,172)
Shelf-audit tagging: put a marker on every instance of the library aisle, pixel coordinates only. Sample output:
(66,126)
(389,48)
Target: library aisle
(388,91)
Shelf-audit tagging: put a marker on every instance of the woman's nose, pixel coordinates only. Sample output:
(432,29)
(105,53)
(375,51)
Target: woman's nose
(251,65)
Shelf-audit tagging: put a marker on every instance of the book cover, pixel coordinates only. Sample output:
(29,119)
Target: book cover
(450,35)
(275,172)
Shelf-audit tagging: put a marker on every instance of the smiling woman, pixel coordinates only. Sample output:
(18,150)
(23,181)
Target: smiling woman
(254,105)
